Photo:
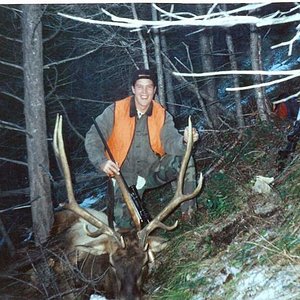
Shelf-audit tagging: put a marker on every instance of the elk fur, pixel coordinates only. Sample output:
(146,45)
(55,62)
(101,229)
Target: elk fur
(96,256)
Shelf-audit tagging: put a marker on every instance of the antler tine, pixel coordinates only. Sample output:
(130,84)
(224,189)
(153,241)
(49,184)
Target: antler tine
(72,205)
(185,160)
(59,149)
(178,198)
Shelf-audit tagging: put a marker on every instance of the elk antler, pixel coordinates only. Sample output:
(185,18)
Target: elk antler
(178,198)
(72,205)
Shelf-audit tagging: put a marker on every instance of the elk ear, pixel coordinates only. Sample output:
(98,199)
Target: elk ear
(156,243)
(103,245)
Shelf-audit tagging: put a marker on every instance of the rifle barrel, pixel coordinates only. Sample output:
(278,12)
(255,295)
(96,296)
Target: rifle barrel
(103,140)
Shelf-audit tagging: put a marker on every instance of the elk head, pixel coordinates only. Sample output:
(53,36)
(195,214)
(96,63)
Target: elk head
(129,253)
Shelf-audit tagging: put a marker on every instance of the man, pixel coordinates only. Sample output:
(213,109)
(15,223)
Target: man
(144,142)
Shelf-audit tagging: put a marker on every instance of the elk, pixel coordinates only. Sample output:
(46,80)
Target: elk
(127,255)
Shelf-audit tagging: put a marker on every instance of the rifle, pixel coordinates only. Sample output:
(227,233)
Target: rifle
(139,214)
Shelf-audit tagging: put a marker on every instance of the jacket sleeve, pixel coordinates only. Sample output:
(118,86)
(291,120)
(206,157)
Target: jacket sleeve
(93,144)
(172,140)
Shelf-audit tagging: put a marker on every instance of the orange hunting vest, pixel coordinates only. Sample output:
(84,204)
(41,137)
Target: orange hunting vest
(121,137)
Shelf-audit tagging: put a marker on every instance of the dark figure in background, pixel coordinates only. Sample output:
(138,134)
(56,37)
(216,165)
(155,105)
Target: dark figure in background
(290,110)
(144,142)
(293,137)
(287,109)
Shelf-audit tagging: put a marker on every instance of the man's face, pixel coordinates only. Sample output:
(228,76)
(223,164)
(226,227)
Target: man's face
(143,91)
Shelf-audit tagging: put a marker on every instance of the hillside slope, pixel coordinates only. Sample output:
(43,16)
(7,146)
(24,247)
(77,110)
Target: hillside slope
(246,244)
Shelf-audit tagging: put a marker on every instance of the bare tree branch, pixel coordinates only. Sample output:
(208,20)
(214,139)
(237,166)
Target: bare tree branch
(71,58)
(287,98)
(10,39)
(290,42)
(254,86)
(70,123)
(239,72)
(87,100)
(292,73)
(18,162)
(179,16)
(11,65)
(13,96)
(12,126)
(223,19)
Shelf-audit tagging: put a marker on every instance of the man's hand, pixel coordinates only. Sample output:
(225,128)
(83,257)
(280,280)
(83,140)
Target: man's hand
(110,168)
(186,134)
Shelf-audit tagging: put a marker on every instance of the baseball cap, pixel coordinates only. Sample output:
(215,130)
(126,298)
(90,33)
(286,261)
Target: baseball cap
(143,74)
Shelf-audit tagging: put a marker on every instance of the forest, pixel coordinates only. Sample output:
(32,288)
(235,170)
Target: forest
(227,65)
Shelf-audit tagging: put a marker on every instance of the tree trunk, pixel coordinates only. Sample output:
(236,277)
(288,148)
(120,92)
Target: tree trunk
(256,64)
(141,39)
(168,76)
(267,104)
(236,82)
(35,118)
(159,68)
(208,66)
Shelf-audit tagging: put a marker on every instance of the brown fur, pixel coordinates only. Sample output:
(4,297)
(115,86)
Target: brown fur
(102,264)
(62,221)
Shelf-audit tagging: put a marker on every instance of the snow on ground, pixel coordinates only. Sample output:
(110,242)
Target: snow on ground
(260,283)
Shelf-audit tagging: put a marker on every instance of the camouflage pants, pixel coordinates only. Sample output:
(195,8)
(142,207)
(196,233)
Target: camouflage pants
(161,172)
